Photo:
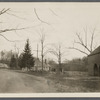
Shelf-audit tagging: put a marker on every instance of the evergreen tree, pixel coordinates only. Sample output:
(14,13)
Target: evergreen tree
(13,64)
(26,59)
(20,61)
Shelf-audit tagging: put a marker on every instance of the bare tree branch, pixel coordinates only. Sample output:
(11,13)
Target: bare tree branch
(63,53)
(78,50)
(4,11)
(53,12)
(85,30)
(87,44)
(9,40)
(16,16)
(6,38)
(92,39)
(6,30)
(39,17)
(53,52)
(82,43)
(57,51)
(80,39)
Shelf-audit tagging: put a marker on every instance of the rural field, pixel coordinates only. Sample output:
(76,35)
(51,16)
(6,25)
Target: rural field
(32,82)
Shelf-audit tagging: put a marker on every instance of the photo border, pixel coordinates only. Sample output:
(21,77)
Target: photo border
(21,96)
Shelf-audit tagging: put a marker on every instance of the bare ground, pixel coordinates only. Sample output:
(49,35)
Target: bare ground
(31,82)
(14,82)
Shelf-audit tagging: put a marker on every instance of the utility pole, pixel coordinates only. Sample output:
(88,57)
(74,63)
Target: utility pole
(37,58)
(15,47)
(42,55)
(37,51)
(16,55)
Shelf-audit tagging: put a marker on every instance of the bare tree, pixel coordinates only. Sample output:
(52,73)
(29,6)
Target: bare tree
(59,52)
(87,43)
(42,41)
(44,46)
(42,21)
(5,11)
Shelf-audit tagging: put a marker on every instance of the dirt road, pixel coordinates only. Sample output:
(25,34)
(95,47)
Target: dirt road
(14,82)
(18,82)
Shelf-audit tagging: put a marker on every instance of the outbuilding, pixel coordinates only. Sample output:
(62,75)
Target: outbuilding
(94,62)
(38,65)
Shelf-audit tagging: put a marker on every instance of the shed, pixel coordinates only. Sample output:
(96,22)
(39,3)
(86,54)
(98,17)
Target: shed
(94,62)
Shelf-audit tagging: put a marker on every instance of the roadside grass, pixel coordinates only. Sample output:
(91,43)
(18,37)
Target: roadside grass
(77,83)
(71,81)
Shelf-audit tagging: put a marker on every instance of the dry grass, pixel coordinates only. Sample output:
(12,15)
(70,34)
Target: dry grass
(71,81)
(75,82)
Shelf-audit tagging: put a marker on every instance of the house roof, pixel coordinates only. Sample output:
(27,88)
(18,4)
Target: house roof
(96,51)
(37,61)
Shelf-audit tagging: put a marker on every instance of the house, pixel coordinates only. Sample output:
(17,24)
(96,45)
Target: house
(38,65)
(94,62)
(3,66)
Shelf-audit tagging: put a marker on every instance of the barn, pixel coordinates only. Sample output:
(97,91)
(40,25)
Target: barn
(94,62)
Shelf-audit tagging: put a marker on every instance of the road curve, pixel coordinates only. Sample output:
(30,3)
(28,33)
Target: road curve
(14,82)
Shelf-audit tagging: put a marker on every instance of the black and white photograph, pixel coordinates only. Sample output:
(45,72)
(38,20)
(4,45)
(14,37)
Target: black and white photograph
(49,47)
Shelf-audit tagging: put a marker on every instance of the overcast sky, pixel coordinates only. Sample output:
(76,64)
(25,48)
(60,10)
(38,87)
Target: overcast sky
(63,20)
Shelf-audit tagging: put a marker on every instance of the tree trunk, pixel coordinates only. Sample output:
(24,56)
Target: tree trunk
(42,57)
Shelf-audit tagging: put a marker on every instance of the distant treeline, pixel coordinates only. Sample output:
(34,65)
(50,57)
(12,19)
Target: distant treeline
(76,64)
(26,60)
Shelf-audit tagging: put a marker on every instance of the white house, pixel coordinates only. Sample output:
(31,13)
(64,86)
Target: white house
(38,65)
